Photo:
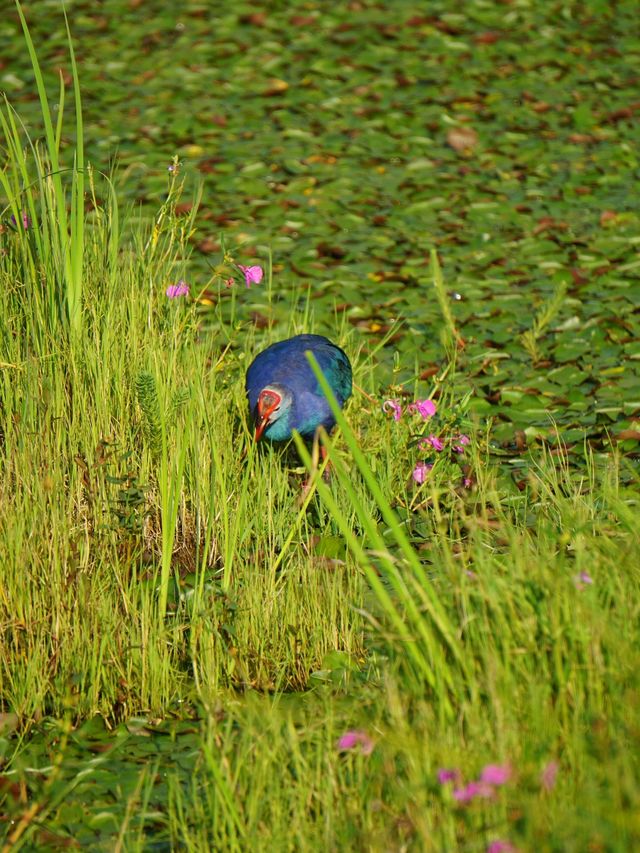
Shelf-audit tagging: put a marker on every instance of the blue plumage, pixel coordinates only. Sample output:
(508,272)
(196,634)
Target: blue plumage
(284,394)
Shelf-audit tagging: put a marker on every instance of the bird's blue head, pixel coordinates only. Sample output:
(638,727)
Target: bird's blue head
(274,401)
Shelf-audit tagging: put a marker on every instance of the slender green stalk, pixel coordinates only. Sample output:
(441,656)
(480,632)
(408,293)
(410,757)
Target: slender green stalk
(452,337)
(76,242)
(430,601)
(170,482)
(68,246)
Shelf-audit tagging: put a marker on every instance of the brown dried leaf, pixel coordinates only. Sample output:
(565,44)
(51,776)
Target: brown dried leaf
(11,788)
(208,246)
(581,138)
(462,139)
(275,87)
(627,434)
(608,216)
(490,37)
(303,21)
(254,19)
(327,250)
(548,223)
(429,372)
(623,113)
(260,321)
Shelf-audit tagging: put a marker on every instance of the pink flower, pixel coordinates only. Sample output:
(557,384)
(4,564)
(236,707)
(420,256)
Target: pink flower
(252,275)
(501,847)
(176,290)
(229,282)
(435,442)
(492,775)
(394,407)
(425,408)
(446,774)
(582,580)
(420,472)
(549,774)
(467,482)
(462,440)
(496,774)
(350,740)
(25,219)
(472,790)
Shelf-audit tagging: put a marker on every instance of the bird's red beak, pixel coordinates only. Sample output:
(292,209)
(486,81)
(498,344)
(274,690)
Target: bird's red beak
(268,402)
(260,427)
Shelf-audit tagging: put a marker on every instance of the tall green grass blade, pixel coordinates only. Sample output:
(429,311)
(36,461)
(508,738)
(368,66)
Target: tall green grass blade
(224,792)
(60,119)
(77,200)
(50,135)
(370,561)
(170,482)
(68,248)
(451,334)
(433,606)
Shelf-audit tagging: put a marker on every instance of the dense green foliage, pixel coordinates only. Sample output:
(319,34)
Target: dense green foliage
(187,631)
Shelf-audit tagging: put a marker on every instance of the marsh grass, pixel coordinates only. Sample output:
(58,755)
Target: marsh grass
(154,560)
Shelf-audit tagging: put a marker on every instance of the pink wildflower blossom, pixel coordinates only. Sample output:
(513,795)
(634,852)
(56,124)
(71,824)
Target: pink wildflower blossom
(448,774)
(501,847)
(394,407)
(496,774)
(252,275)
(582,580)
(549,774)
(462,441)
(24,218)
(472,790)
(351,739)
(420,472)
(176,290)
(435,442)
(425,408)
(492,776)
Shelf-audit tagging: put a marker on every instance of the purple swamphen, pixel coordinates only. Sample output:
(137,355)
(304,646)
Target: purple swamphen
(283,392)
